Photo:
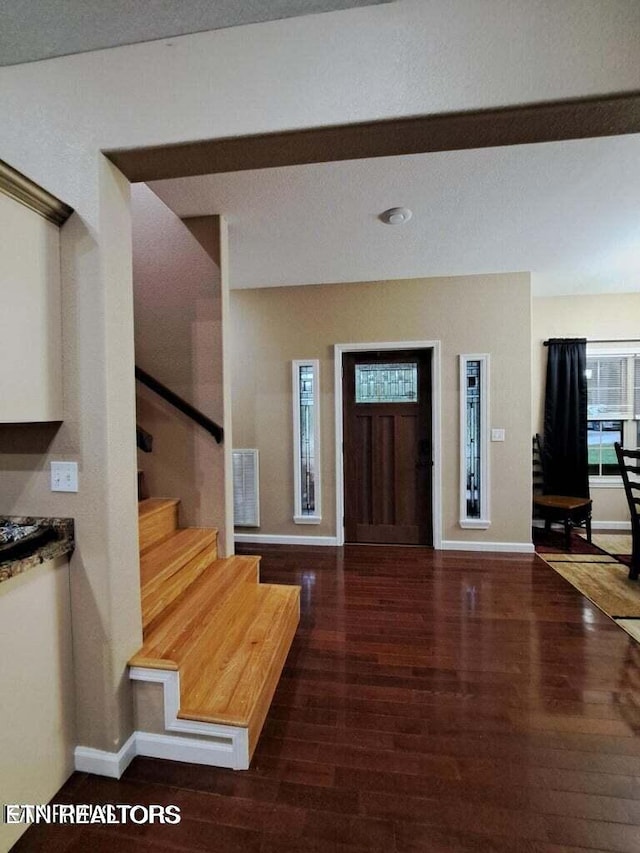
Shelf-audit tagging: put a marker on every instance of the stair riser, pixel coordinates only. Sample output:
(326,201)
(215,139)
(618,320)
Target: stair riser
(154,603)
(157,526)
(160,563)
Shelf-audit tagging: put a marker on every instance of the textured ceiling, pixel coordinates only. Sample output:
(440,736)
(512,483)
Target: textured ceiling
(566,211)
(40,29)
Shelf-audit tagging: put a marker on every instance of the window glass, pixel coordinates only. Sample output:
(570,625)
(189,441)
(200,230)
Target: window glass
(601,436)
(472,439)
(387,383)
(613,405)
(307,444)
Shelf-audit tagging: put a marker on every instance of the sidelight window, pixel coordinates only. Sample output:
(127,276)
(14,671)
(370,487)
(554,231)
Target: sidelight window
(474,438)
(306,442)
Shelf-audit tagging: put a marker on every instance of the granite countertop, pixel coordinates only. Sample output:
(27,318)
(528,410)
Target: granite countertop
(63,543)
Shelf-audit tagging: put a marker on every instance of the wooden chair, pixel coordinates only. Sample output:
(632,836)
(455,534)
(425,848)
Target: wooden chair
(561,509)
(629,462)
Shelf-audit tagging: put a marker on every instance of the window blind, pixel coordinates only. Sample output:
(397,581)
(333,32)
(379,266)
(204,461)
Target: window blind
(611,383)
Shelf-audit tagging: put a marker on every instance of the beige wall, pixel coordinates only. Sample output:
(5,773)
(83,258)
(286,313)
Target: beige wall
(98,433)
(604,317)
(37,724)
(178,334)
(272,326)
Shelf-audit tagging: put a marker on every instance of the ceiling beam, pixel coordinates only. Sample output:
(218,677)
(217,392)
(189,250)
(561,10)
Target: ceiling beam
(608,115)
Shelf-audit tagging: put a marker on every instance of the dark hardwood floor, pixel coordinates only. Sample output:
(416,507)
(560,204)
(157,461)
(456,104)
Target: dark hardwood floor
(430,702)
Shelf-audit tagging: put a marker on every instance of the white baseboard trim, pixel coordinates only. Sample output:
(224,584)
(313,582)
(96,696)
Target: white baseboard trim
(190,750)
(215,753)
(274,539)
(226,746)
(595,525)
(505,547)
(103,763)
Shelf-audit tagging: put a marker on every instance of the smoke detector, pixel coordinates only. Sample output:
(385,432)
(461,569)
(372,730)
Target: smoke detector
(396,216)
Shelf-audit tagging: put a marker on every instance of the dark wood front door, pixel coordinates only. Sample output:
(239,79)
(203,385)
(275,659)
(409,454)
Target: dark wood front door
(387,447)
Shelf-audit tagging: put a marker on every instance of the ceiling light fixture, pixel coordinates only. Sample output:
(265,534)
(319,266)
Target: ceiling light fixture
(396,216)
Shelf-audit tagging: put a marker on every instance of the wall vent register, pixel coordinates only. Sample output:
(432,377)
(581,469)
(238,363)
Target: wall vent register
(246,488)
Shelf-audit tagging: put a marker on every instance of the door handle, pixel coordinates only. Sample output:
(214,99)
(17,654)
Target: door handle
(424,460)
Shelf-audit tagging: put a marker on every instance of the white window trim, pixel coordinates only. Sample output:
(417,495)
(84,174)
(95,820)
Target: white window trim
(484,521)
(606,481)
(609,481)
(298,516)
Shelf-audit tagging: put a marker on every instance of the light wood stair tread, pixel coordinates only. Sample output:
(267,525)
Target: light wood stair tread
(150,506)
(191,615)
(232,680)
(164,558)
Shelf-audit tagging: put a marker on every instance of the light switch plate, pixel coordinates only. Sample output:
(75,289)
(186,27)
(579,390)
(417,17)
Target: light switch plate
(497,435)
(64,476)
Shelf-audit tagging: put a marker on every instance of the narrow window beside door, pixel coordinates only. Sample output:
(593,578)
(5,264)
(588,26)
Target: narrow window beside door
(474,446)
(306,442)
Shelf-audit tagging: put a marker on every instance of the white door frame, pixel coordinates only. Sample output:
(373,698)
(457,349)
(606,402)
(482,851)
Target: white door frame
(436,406)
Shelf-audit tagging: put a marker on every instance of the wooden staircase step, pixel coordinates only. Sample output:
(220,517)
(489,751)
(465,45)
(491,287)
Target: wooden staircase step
(220,642)
(165,558)
(233,682)
(221,636)
(157,519)
(171,567)
(210,602)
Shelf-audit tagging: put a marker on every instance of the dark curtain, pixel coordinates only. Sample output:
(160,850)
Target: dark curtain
(565,462)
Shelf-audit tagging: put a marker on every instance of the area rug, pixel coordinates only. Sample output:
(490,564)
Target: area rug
(604,583)
(600,572)
(612,543)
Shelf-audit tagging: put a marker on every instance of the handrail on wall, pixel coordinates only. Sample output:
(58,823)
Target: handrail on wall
(144,439)
(180,404)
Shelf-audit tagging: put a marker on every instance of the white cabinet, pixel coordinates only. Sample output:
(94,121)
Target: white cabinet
(30,307)
(37,725)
